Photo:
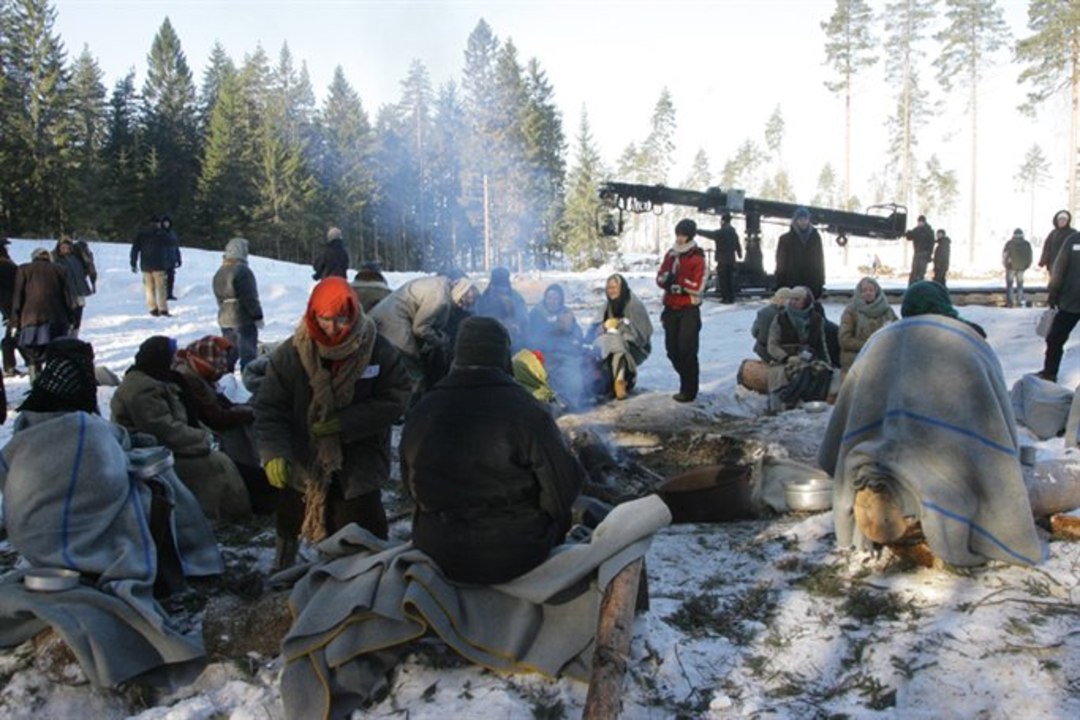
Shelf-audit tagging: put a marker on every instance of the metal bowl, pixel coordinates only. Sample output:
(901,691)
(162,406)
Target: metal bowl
(50,579)
(815,406)
(811,495)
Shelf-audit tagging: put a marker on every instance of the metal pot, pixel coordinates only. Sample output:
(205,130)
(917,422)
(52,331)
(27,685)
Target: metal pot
(811,495)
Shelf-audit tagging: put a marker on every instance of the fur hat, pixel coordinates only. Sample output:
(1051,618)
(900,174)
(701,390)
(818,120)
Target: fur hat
(333,233)
(460,289)
(687,228)
(482,342)
(781,296)
(236,249)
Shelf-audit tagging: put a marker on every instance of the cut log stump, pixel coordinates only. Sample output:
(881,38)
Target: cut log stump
(754,375)
(613,632)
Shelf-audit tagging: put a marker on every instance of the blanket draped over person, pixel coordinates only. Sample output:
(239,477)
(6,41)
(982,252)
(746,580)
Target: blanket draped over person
(93,517)
(944,443)
(369,597)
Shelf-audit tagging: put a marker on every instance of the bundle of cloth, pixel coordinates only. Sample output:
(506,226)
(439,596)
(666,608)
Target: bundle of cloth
(73,499)
(943,442)
(370,597)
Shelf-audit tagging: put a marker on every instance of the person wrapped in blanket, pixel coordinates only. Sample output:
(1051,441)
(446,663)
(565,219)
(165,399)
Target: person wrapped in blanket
(934,456)
(801,368)
(621,336)
(554,331)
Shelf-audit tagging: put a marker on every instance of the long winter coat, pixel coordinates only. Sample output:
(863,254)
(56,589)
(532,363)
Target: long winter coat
(800,263)
(42,294)
(491,476)
(332,260)
(379,398)
(415,317)
(1017,254)
(1065,278)
(728,247)
(144,404)
(8,269)
(856,327)
(237,295)
(1053,242)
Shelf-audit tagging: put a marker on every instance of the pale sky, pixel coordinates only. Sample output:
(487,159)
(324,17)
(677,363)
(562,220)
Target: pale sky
(727,63)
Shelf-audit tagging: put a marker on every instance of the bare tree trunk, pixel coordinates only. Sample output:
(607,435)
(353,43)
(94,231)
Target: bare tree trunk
(1074,158)
(974,166)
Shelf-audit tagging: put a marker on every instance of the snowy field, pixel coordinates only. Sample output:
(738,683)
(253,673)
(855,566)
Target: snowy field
(748,619)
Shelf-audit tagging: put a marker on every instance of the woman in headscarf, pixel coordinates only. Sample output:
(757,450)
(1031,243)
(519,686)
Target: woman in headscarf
(868,312)
(927,297)
(554,331)
(149,400)
(323,416)
(801,368)
(198,368)
(622,335)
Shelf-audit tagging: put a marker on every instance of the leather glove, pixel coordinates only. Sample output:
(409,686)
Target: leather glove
(324,428)
(277,472)
(611,324)
(260,324)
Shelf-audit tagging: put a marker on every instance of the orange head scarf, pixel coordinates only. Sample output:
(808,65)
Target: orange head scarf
(332,297)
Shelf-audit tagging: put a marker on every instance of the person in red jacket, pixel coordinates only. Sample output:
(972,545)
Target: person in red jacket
(682,275)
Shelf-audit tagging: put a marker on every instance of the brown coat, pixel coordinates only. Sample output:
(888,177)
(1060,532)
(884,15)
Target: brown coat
(42,295)
(855,329)
(214,410)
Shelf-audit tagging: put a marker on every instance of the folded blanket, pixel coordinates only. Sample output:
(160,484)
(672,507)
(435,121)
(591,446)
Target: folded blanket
(925,410)
(371,596)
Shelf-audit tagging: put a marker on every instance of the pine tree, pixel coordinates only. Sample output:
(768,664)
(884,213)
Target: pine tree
(170,167)
(584,246)
(1052,56)
(34,126)
(975,31)
(225,195)
(122,151)
(545,147)
(1030,176)
(826,188)
(87,133)
(658,149)
(937,188)
(217,67)
(394,201)
(449,221)
(699,177)
(415,110)
(849,49)
(479,95)
(906,23)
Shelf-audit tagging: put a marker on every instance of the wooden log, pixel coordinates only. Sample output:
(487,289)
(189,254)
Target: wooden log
(1066,527)
(612,655)
(753,375)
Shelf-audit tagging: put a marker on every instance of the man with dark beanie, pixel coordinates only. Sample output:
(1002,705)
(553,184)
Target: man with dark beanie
(491,476)
(323,416)
(682,275)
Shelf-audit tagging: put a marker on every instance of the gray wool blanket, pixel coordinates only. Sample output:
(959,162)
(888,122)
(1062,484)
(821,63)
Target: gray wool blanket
(71,502)
(369,597)
(924,410)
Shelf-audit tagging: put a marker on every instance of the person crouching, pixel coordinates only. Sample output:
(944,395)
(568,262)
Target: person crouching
(323,416)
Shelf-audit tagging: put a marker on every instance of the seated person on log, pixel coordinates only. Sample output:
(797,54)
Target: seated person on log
(621,336)
(801,369)
(65,474)
(763,322)
(868,312)
(150,400)
(489,471)
(198,368)
(502,302)
(554,331)
(929,456)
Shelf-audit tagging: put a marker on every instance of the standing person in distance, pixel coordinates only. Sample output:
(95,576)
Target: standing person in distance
(1062,229)
(682,276)
(333,258)
(151,254)
(240,313)
(800,256)
(79,281)
(1065,296)
(41,306)
(8,269)
(728,249)
(922,243)
(175,260)
(1016,257)
(942,252)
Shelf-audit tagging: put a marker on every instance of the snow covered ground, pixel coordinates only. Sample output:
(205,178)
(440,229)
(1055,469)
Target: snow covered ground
(763,618)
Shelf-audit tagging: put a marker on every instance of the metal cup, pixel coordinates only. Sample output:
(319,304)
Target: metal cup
(1027,454)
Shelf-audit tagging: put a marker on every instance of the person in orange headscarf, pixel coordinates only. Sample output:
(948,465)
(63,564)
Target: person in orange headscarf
(323,416)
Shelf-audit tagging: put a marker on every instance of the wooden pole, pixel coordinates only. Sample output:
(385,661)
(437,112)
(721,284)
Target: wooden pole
(604,699)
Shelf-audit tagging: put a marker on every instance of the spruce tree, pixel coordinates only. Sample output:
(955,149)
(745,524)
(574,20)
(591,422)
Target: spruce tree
(449,220)
(216,68)
(479,96)
(1052,56)
(584,246)
(975,31)
(545,148)
(225,195)
(87,140)
(122,152)
(849,49)
(1030,176)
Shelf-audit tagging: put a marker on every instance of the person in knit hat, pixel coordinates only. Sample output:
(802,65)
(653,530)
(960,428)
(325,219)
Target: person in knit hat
(502,302)
(150,399)
(240,314)
(868,312)
(800,256)
(370,285)
(1055,238)
(67,382)
(417,319)
(1016,256)
(491,477)
(323,415)
(682,276)
(332,259)
(198,368)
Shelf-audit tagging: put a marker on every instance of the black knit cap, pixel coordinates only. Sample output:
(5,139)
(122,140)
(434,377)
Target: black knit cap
(482,342)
